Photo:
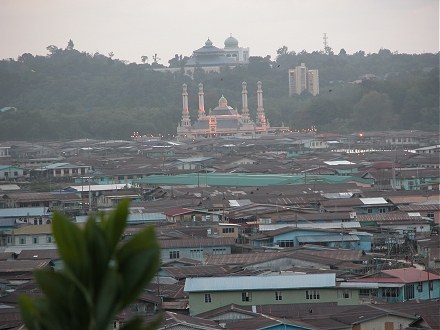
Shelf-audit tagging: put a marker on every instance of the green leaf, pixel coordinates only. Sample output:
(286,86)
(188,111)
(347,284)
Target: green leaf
(101,274)
(30,313)
(99,255)
(115,224)
(108,299)
(71,246)
(138,261)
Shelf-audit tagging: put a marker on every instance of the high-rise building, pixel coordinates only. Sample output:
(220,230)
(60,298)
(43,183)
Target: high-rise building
(301,79)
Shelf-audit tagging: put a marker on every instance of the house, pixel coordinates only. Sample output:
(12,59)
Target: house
(224,229)
(398,285)
(207,293)
(288,237)
(29,238)
(109,199)
(195,248)
(4,152)
(10,172)
(323,316)
(373,205)
(183,214)
(429,249)
(60,170)
(435,149)
(26,215)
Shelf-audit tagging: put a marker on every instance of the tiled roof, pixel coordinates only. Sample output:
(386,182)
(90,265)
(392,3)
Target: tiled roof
(33,230)
(193,271)
(199,242)
(401,275)
(174,320)
(15,266)
(38,254)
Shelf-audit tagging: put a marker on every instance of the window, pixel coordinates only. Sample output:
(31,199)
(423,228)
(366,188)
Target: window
(369,210)
(285,243)
(382,210)
(219,251)
(431,285)
(409,291)
(22,239)
(208,298)
(345,294)
(391,292)
(228,230)
(35,240)
(197,253)
(420,287)
(48,239)
(174,254)
(246,296)
(312,294)
(278,295)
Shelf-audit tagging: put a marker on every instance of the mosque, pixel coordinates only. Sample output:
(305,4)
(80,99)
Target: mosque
(223,120)
(211,56)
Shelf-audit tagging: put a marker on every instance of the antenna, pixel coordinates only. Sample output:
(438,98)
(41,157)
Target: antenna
(327,49)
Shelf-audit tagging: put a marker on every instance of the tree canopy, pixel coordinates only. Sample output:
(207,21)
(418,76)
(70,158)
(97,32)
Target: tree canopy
(70,94)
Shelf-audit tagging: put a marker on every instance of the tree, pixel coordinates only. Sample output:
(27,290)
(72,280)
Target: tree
(101,274)
(282,51)
(342,52)
(374,112)
(144,59)
(70,45)
(52,49)
(156,59)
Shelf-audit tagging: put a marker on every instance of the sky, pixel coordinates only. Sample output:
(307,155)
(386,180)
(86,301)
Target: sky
(134,28)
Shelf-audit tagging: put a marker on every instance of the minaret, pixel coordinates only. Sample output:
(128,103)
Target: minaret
(186,120)
(244,102)
(261,117)
(201,102)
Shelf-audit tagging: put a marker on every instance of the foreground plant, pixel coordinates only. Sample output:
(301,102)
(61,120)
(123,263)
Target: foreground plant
(101,275)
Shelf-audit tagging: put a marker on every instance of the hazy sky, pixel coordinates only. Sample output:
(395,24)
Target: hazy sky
(133,28)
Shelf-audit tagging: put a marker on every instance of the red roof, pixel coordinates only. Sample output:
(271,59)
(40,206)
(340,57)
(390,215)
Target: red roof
(177,211)
(402,275)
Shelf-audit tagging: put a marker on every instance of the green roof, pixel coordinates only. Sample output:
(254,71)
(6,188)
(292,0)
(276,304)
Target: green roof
(245,180)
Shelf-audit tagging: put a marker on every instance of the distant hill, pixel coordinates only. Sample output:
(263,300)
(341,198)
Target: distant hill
(70,94)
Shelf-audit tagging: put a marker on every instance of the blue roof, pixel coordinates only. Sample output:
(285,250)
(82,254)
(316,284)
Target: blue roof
(269,282)
(23,212)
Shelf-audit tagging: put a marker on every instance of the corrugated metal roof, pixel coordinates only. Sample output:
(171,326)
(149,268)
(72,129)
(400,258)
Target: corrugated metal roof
(327,238)
(373,200)
(23,212)
(240,283)
(98,187)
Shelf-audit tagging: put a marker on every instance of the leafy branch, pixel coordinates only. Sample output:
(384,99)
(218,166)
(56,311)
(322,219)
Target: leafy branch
(101,275)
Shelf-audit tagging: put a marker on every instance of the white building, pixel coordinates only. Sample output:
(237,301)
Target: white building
(301,79)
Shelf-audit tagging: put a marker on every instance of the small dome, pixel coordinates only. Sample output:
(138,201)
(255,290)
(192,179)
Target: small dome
(231,42)
(208,42)
(223,102)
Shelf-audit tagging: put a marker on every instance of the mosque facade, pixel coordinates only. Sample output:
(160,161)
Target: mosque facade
(223,120)
(211,58)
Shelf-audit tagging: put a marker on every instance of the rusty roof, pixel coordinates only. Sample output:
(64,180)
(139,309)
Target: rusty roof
(199,242)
